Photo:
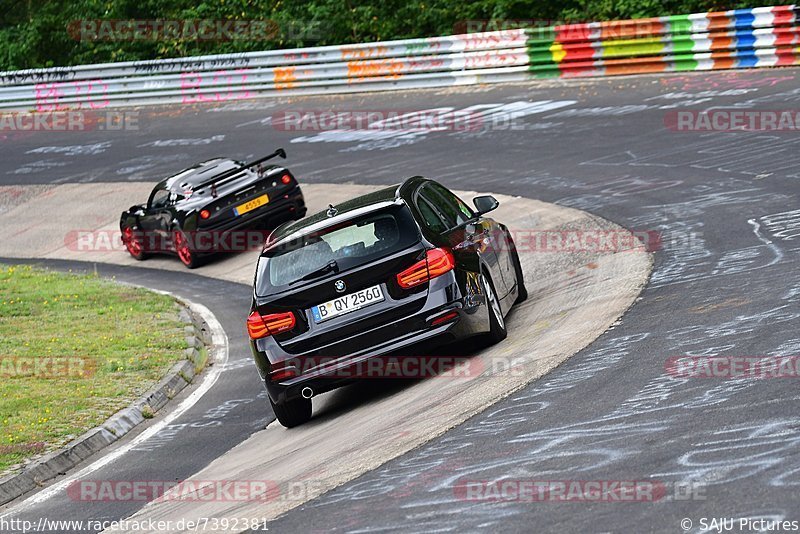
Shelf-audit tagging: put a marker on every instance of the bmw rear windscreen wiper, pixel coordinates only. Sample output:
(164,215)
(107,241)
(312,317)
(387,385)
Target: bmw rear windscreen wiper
(331,266)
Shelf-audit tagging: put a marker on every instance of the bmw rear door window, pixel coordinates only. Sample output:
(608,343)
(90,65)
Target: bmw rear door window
(432,219)
(446,204)
(465,212)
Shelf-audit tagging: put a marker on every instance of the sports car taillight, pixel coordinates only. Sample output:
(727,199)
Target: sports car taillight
(259,326)
(205,214)
(437,262)
(286,179)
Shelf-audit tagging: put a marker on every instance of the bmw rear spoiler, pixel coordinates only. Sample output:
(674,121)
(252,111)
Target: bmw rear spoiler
(216,180)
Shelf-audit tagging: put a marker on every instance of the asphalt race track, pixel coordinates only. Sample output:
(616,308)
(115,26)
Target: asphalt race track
(726,283)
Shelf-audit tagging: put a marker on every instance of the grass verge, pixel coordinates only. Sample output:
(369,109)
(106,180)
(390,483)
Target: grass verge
(74,349)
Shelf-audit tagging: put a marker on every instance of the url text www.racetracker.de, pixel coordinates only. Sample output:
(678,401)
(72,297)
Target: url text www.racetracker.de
(202,524)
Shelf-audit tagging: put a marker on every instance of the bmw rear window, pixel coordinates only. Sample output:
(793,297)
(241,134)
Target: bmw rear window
(343,246)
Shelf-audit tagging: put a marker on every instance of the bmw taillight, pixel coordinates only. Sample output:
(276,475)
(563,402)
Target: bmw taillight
(437,262)
(259,326)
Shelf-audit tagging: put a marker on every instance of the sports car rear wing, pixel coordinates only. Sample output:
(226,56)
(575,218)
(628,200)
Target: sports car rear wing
(230,174)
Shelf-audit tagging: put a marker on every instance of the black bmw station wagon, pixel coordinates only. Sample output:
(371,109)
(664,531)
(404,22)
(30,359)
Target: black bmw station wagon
(402,267)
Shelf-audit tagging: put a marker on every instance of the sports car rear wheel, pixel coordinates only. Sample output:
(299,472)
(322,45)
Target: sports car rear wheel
(134,243)
(184,249)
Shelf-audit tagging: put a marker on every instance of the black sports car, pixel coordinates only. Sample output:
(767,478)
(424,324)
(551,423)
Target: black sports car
(380,275)
(206,208)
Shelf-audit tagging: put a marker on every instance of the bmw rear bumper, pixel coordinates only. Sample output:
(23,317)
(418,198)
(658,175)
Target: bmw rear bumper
(462,316)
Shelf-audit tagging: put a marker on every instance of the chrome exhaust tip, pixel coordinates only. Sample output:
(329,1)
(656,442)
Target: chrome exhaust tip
(307,392)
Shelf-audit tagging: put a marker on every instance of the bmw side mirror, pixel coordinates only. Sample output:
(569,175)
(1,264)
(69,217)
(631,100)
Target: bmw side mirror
(485,203)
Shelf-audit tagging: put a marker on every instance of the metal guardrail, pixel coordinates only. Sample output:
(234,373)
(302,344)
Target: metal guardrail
(744,38)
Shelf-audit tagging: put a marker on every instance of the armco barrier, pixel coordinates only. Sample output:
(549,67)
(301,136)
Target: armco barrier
(744,38)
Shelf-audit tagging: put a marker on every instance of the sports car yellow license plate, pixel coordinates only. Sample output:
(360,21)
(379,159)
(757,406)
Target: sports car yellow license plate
(250,205)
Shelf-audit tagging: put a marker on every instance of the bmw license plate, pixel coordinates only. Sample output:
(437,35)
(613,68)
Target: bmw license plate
(347,303)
